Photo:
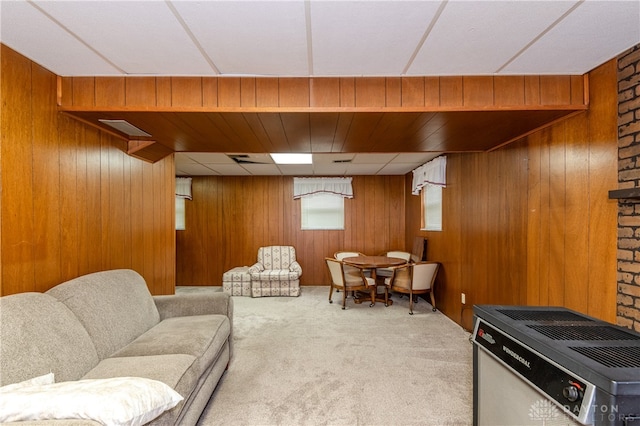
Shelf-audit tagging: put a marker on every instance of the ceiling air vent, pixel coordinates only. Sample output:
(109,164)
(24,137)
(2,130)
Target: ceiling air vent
(125,127)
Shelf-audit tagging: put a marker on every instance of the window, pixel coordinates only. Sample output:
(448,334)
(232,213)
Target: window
(180,214)
(432,208)
(322,211)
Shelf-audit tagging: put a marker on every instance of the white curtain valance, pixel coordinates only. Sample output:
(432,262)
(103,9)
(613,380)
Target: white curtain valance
(433,172)
(183,188)
(308,186)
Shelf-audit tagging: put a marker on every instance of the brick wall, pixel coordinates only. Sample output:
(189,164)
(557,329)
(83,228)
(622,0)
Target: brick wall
(628,312)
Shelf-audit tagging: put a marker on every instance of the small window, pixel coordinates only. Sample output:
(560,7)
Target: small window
(322,211)
(180,214)
(432,208)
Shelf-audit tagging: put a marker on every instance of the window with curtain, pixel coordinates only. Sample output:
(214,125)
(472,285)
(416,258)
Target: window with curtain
(428,181)
(183,192)
(322,211)
(322,201)
(432,208)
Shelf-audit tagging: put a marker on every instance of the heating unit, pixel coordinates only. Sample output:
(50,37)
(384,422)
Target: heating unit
(553,366)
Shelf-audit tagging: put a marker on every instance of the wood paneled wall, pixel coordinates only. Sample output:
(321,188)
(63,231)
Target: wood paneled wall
(531,223)
(72,201)
(231,217)
(319,93)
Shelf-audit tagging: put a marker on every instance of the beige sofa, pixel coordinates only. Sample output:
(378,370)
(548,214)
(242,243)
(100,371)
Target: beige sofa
(107,325)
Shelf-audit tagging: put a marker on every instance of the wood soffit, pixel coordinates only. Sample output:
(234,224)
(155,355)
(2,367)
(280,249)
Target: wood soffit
(327,115)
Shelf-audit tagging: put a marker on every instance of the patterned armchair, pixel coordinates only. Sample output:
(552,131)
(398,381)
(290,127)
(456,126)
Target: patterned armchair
(277,273)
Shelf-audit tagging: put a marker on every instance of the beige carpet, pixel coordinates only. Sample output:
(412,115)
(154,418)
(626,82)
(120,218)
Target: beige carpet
(303,361)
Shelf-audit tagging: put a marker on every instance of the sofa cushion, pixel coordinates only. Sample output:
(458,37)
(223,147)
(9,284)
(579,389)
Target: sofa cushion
(202,336)
(174,370)
(40,335)
(275,275)
(114,306)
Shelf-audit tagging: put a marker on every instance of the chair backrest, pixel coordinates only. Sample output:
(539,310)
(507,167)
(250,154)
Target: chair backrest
(335,269)
(424,274)
(340,255)
(276,257)
(400,254)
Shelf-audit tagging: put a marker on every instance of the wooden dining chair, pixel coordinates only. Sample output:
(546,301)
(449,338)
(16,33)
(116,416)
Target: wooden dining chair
(414,279)
(351,281)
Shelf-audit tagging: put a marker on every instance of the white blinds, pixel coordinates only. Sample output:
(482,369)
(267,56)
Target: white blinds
(433,172)
(309,186)
(183,188)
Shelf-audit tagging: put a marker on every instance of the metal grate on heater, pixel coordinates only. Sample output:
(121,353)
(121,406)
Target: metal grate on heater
(541,315)
(612,356)
(582,332)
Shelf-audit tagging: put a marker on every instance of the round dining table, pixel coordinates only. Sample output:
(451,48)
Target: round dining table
(373,262)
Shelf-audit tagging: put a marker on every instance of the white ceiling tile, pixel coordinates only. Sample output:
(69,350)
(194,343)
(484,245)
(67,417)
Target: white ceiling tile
(229,169)
(479,37)
(138,36)
(296,169)
(396,169)
(330,169)
(261,169)
(266,37)
(330,158)
(193,170)
(415,157)
(367,38)
(578,44)
(363,169)
(210,157)
(30,32)
(373,158)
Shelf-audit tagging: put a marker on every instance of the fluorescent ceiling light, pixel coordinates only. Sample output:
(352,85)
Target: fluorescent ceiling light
(292,158)
(125,127)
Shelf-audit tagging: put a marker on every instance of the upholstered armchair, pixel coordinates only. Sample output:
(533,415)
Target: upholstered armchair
(276,273)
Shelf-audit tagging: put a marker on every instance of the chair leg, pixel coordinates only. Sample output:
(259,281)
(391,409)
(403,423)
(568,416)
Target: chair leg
(411,303)
(344,299)
(330,293)
(433,301)
(386,296)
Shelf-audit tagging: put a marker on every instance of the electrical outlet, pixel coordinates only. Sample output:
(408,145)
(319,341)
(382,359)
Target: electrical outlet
(464,298)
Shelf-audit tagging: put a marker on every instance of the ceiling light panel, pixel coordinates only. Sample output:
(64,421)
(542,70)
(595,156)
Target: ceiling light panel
(140,37)
(481,26)
(365,38)
(257,37)
(30,32)
(575,46)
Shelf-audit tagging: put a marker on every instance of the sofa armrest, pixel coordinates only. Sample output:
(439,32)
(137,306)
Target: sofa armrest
(182,305)
(256,268)
(295,267)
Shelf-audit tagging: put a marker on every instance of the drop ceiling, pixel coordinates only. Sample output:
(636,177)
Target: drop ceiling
(319,38)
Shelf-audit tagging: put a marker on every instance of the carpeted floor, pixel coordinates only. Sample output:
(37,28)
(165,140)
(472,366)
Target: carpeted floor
(303,361)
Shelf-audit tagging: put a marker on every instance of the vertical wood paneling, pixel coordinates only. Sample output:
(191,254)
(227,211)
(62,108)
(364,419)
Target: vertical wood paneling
(186,91)
(478,91)
(451,91)
(413,91)
(370,92)
(266,92)
(248,92)
(293,92)
(531,223)
(258,211)
(139,91)
(80,210)
(324,92)
(18,213)
(110,91)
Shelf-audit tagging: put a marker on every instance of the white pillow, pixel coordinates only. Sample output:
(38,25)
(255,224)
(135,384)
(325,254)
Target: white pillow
(45,379)
(116,401)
